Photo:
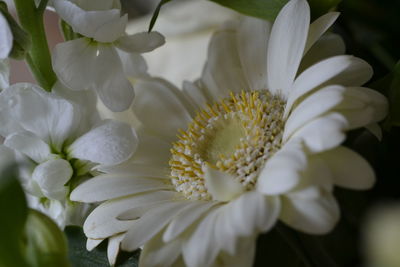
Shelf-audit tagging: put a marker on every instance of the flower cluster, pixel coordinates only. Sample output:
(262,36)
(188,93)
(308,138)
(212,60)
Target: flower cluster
(202,170)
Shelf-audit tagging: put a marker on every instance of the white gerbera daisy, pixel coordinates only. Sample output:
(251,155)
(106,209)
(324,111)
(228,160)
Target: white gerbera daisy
(257,140)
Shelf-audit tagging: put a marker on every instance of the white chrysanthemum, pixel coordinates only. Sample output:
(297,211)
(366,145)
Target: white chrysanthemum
(58,143)
(257,139)
(5,37)
(92,62)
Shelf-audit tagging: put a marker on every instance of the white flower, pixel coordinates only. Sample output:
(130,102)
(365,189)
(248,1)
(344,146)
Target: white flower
(92,62)
(258,140)
(58,142)
(5,37)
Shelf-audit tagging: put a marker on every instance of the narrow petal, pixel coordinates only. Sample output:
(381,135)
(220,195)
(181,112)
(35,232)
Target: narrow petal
(161,108)
(102,221)
(29,145)
(92,243)
(349,169)
(150,224)
(52,176)
(185,219)
(110,143)
(6,38)
(286,45)
(117,186)
(221,185)
(322,133)
(223,72)
(342,70)
(157,253)
(104,25)
(312,107)
(113,248)
(311,216)
(140,42)
(281,173)
(319,27)
(253,35)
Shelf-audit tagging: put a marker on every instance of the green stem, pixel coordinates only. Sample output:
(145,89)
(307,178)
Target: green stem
(38,58)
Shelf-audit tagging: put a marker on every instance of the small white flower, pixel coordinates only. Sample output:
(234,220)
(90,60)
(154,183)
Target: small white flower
(58,143)
(5,37)
(255,140)
(92,62)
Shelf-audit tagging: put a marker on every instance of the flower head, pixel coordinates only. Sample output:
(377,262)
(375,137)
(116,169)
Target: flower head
(58,143)
(255,140)
(92,61)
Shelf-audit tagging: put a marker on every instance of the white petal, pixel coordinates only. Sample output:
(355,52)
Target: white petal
(8,123)
(92,243)
(104,26)
(329,45)
(113,248)
(319,27)
(80,64)
(322,133)
(196,94)
(157,253)
(161,108)
(52,176)
(310,216)
(50,118)
(223,72)
(110,143)
(30,145)
(281,173)
(117,186)
(286,45)
(140,42)
(349,169)
(6,38)
(201,248)
(4,74)
(185,219)
(150,224)
(244,254)
(342,70)
(221,185)
(312,107)
(133,64)
(253,35)
(376,130)
(103,223)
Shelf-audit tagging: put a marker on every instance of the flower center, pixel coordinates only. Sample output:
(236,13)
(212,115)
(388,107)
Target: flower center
(236,135)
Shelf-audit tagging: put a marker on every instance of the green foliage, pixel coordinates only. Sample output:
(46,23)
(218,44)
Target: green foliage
(394,97)
(80,257)
(14,212)
(156,12)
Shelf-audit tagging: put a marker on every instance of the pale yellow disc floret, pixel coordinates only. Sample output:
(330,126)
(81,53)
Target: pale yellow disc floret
(235,135)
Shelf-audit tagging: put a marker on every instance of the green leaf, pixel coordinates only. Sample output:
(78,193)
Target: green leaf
(13,209)
(156,12)
(80,257)
(320,7)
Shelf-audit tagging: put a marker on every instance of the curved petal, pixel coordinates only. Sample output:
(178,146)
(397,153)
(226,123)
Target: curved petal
(113,246)
(29,145)
(50,118)
(52,176)
(4,74)
(317,216)
(117,186)
(6,38)
(140,42)
(322,133)
(349,169)
(281,172)
(312,107)
(319,27)
(161,108)
(286,45)
(223,71)
(110,143)
(252,35)
(157,253)
(342,70)
(104,25)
